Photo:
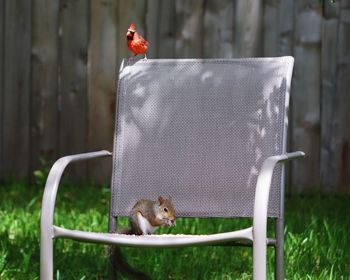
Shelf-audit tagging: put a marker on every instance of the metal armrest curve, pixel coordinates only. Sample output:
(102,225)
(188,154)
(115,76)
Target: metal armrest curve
(52,183)
(264,182)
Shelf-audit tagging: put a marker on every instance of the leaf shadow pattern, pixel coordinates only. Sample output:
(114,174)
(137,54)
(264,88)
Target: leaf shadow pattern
(198,130)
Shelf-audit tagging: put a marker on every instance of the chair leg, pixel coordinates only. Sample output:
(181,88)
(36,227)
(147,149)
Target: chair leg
(259,257)
(112,272)
(46,257)
(279,250)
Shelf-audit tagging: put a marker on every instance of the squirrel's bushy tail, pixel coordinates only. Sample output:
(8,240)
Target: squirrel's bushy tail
(118,263)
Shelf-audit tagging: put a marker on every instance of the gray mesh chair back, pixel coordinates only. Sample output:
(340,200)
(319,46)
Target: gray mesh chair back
(199,131)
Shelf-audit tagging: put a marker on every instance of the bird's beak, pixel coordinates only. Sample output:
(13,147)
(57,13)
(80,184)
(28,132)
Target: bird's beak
(129,35)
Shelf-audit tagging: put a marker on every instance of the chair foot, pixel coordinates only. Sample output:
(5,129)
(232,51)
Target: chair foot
(46,258)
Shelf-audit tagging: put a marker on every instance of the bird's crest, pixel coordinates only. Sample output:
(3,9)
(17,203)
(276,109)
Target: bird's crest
(132,27)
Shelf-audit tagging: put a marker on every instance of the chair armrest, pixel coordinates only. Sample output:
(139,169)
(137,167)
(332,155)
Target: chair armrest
(52,182)
(263,185)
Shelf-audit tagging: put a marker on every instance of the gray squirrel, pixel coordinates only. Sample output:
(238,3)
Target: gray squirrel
(145,218)
(146,215)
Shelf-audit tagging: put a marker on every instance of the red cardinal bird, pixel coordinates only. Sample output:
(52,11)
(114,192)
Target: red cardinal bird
(135,42)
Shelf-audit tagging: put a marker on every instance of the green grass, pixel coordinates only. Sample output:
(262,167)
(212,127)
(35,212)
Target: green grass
(317,239)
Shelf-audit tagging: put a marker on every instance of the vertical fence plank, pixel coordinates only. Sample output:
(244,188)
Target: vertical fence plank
(306,94)
(160,28)
(16,141)
(189,25)
(278,27)
(286,27)
(271,23)
(248,28)
(102,81)
(341,135)
(329,161)
(73,80)
(218,29)
(167,29)
(152,27)
(44,111)
(2,46)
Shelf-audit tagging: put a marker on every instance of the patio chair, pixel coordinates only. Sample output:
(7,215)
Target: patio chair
(208,132)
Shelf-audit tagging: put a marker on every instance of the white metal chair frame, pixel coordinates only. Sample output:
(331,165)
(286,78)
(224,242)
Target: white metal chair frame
(255,235)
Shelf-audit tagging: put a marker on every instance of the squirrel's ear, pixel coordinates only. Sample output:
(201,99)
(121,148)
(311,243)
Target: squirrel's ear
(160,200)
(170,198)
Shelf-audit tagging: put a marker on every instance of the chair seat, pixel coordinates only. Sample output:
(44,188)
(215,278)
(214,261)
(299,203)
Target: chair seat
(162,240)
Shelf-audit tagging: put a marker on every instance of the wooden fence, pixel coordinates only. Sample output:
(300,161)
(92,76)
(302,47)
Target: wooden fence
(59,61)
